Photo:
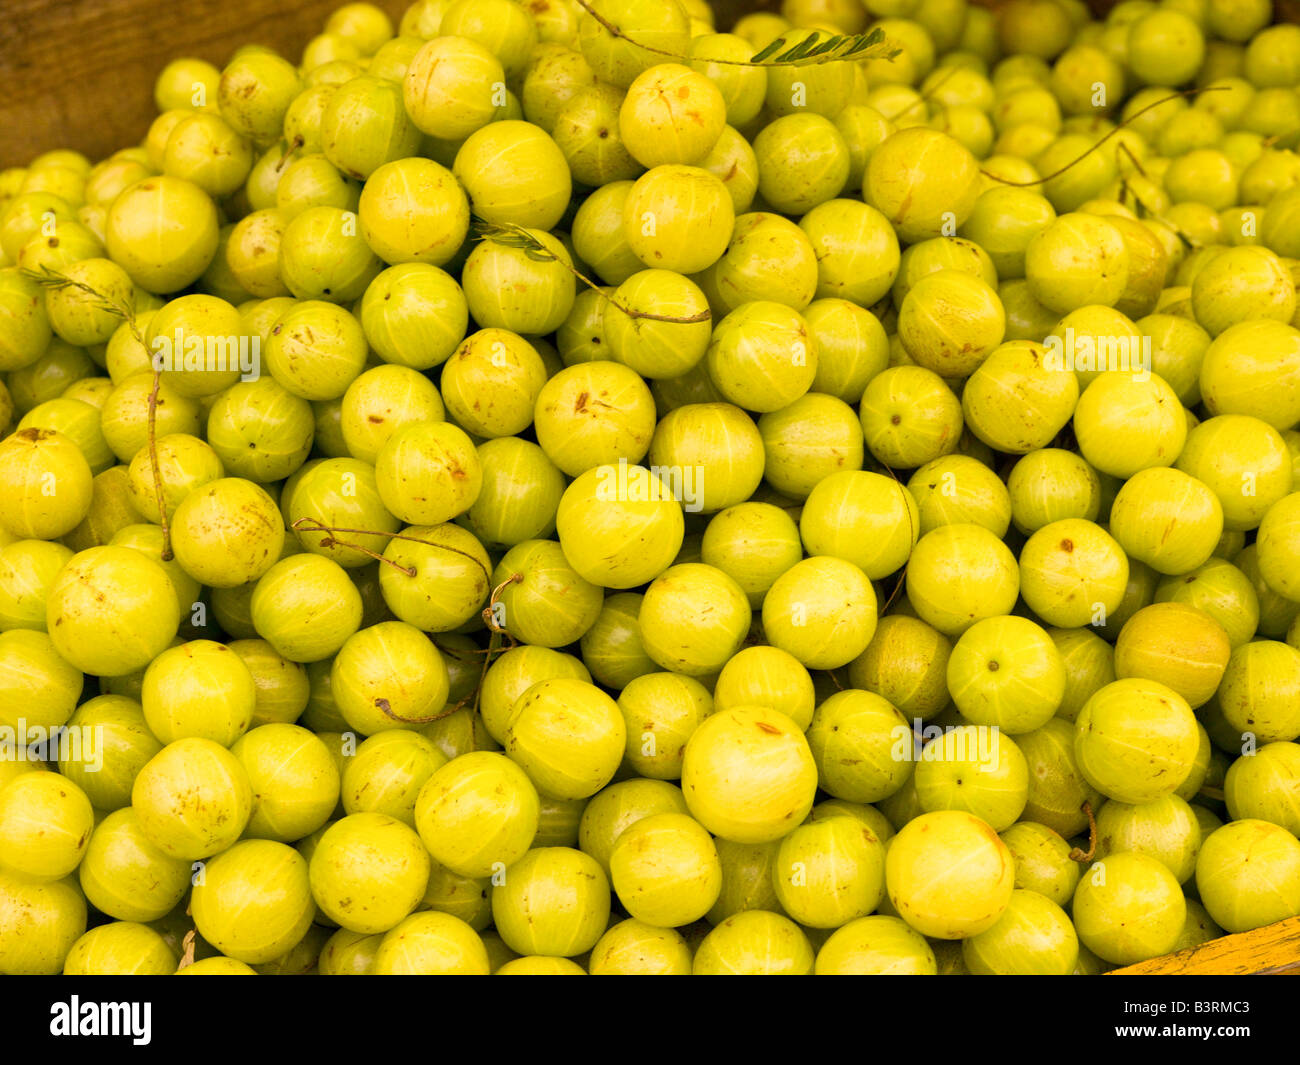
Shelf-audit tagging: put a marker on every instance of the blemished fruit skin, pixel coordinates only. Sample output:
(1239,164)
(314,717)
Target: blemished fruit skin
(545,487)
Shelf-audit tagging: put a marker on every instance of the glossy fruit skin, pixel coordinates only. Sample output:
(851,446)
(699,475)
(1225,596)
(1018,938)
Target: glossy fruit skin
(428,473)
(374,692)
(678,218)
(45,823)
(144,619)
(693,619)
(1148,897)
(32,459)
(829,872)
(576,434)
(1226,879)
(1043,862)
(1034,937)
(781,767)
(200,688)
(619,526)
(661,712)
(294,779)
(1024,654)
(823,611)
(55,908)
(936,897)
(767,676)
(125,876)
(431,944)
(163,232)
(193,799)
(368,872)
(276,876)
(123,746)
(665,870)
(466,823)
(413,210)
(1089,582)
(634,948)
(550,605)
(900,184)
(1258,691)
(1165,829)
(754,942)
(520,495)
(864,518)
(960,574)
(226,533)
(1168,747)
(568,736)
(555,902)
(1177,645)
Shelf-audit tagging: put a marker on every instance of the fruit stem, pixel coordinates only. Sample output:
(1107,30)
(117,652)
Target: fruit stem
(312,525)
(859,46)
(290,148)
(1082,856)
(510,235)
(1123,125)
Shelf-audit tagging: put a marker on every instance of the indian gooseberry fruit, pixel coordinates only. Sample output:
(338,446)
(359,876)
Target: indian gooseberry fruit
(115,745)
(1260,691)
(665,870)
(1043,862)
(388,676)
(306,607)
(27,569)
(661,711)
(368,872)
(921,180)
(709,454)
(1265,786)
(619,526)
(829,872)
(1128,908)
(1077,260)
(1033,937)
(125,876)
(428,472)
(605,818)
(227,532)
(766,676)
(1166,829)
(544,601)
(40,921)
(568,736)
(45,824)
(294,779)
(120,948)
(200,688)
(1058,789)
(823,611)
(1248,875)
(815,436)
(960,490)
(477,813)
(1278,546)
(1176,644)
(1089,664)
(949,875)
(612,646)
(1073,573)
(754,943)
(1135,740)
(592,414)
(1166,519)
(1015,400)
(909,417)
(1006,672)
(634,948)
(748,774)
(1243,461)
(1222,591)
(862,746)
(693,619)
(975,768)
(520,495)
(49,484)
(864,518)
(875,946)
(111,611)
(435,578)
(193,799)
(906,662)
(555,901)
(961,574)
(254,901)
(753,544)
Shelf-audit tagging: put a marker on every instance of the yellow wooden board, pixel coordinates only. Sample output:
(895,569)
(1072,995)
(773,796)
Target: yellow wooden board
(1273,950)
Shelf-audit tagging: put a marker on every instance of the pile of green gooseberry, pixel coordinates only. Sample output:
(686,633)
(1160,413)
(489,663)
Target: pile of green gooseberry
(539,490)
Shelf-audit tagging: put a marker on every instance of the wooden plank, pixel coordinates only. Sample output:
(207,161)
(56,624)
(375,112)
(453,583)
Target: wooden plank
(1273,950)
(80,73)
